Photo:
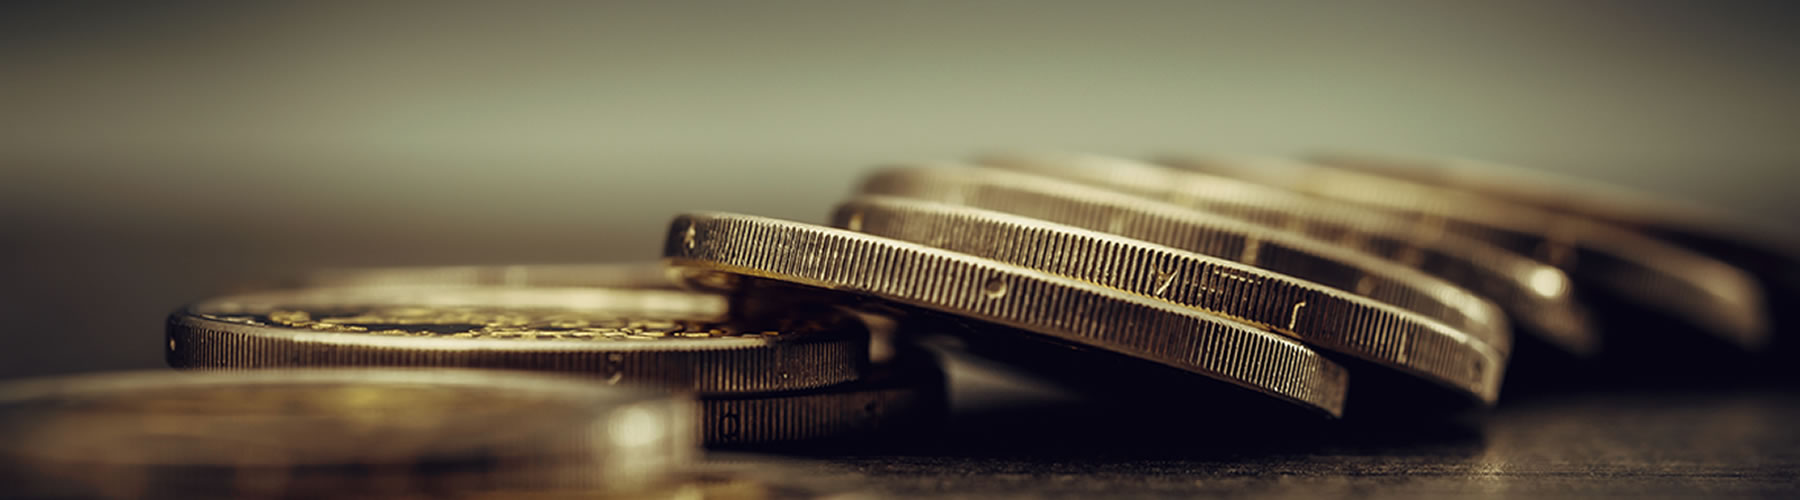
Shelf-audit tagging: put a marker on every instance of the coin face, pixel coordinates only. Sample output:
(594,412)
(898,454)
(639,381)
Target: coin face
(1317,315)
(675,339)
(1200,345)
(332,432)
(1537,296)
(1657,276)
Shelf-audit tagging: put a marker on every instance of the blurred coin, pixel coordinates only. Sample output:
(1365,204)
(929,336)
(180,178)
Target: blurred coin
(1659,277)
(1317,315)
(1217,236)
(1772,257)
(1050,307)
(903,393)
(332,433)
(676,339)
(608,275)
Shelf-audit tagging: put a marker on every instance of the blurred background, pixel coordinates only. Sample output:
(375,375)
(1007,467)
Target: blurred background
(154,153)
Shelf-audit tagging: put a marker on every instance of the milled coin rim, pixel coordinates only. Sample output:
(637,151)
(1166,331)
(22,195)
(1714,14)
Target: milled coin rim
(1097,209)
(794,360)
(907,389)
(912,274)
(1715,295)
(1352,325)
(1512,281)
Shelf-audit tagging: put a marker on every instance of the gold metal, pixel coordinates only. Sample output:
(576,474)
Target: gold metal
(674,339)
(1711,294)
(1050,306)
(1532,294)
(332,433)
(1315,314)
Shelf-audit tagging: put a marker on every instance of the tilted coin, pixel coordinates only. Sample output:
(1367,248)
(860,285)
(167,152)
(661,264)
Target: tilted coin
(1536,296)
(635,275)
(682,340)
(332,433)
(1660,277)
(1048,306)
(1320,316)
(902,393)
(1772,258)
(1212,235)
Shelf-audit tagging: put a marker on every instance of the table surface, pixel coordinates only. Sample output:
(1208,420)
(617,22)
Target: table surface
(1702,440)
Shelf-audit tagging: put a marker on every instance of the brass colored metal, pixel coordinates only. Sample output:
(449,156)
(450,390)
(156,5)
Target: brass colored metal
(1533,294)
(1217,236)
(1046,305)
(1320,316)
(332,434)
(903,393)
(1711,294)
(675,339)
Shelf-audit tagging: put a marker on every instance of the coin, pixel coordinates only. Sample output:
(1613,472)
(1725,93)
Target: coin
(648,274)
(1534,295)
(1772,258)
(1660,277)
(332,433)
(1315,314)
(905,392)
(675,339)
(1217,236)
(1047,305)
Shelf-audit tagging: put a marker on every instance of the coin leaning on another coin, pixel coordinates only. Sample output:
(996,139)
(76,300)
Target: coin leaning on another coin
(1535,295)
(1659,276)
(1053,307)
(1120,214)
(674,339)
(1317,315)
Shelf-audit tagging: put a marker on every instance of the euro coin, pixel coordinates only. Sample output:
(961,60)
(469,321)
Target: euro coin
(1315,314)
(1048,306)
(674,339)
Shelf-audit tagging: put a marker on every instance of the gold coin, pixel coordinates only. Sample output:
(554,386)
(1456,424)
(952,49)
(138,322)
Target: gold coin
(1045,305)
(1315,314)
(332,433)
(1217,236)
(674,339)
(1659,276)
(903,393)
(1536,296)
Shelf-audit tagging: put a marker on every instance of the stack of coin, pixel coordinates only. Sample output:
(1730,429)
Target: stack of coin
(796,376)
(1331,288)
